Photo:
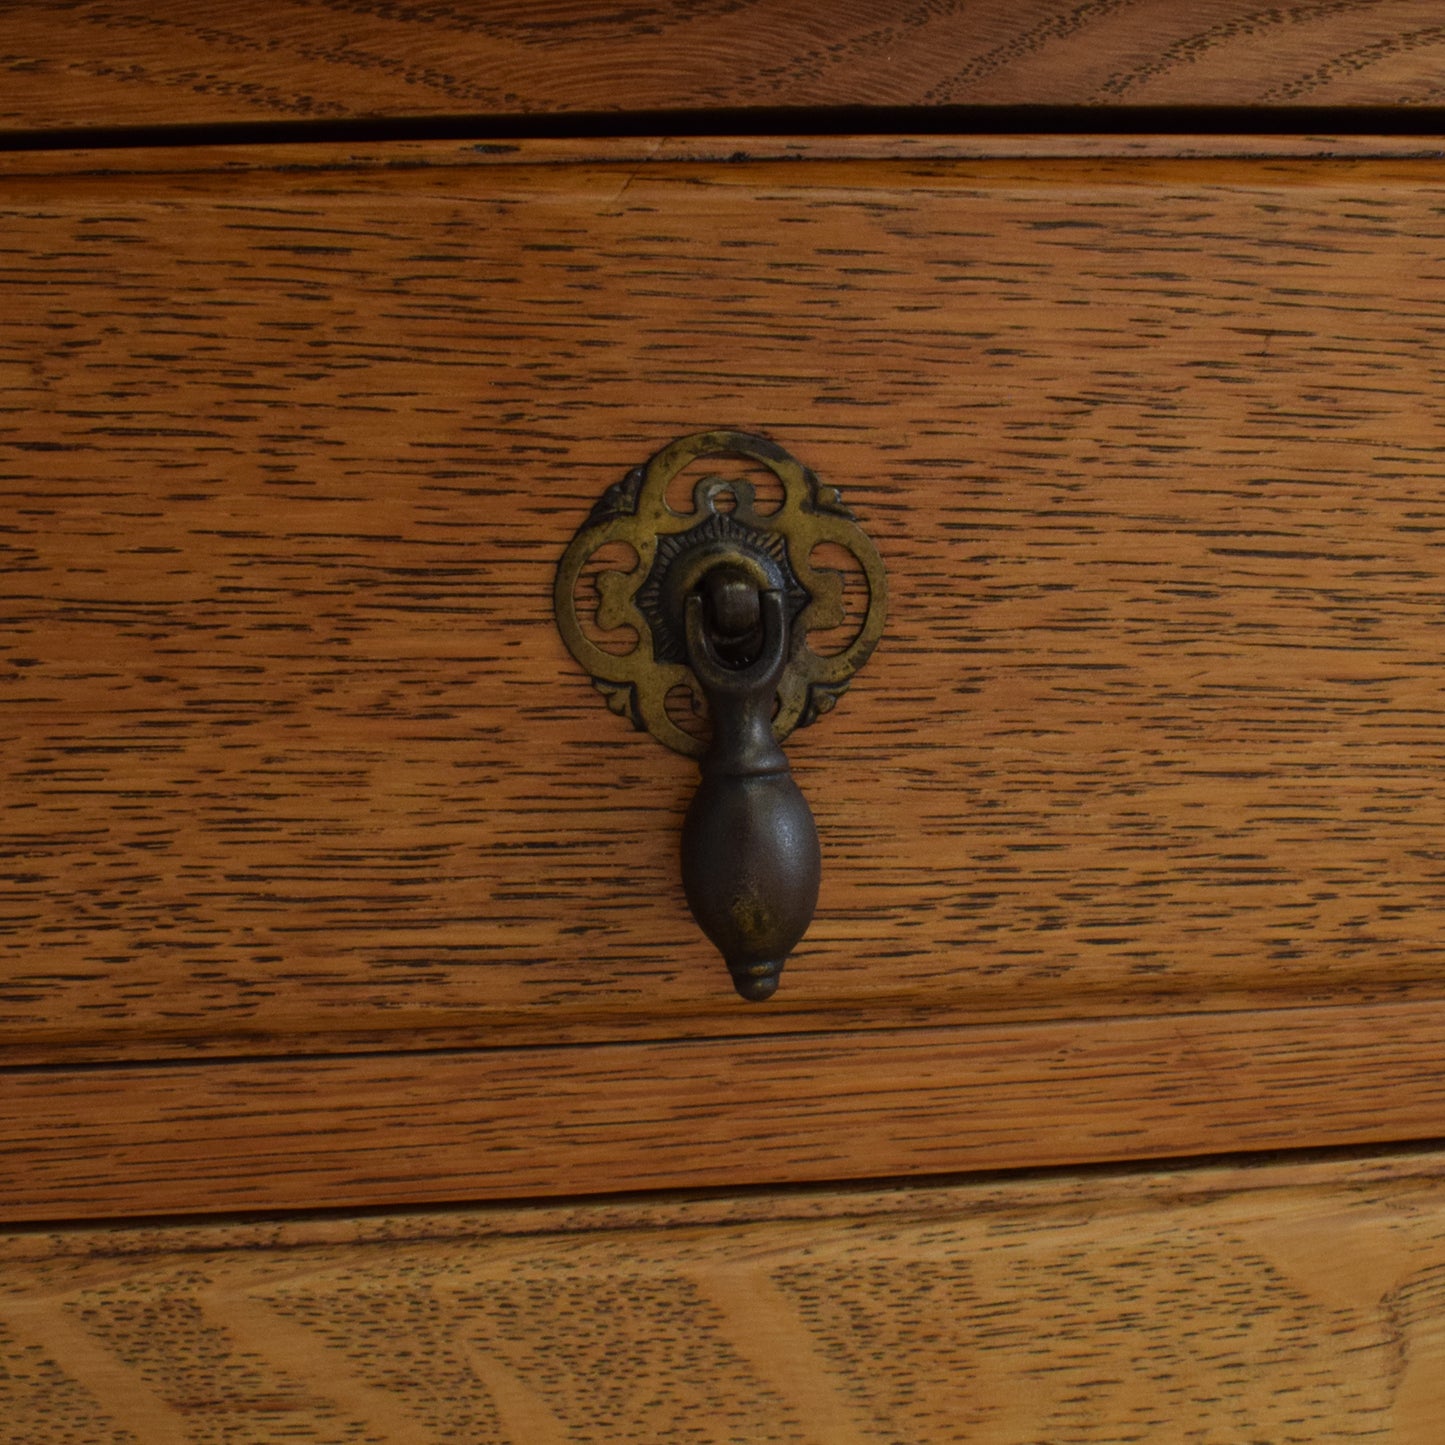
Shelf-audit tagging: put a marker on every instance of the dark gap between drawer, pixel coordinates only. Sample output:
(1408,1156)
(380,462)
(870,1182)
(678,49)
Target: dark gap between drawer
(963,120)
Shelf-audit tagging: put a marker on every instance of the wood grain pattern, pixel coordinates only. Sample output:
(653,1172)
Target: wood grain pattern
(384,1129)
(291,747)
(88,63)
(1286,1302)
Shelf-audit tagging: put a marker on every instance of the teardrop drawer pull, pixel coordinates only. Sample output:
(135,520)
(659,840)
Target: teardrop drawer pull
(722,599)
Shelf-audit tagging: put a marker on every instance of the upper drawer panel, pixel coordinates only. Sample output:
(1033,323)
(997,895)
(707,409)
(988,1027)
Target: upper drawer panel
(291,746)
(86,64)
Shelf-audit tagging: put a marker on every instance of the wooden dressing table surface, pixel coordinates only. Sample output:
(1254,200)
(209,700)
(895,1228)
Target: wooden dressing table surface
(363,1076)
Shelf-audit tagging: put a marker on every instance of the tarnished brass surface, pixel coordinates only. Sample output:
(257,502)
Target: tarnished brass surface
(721,599)
(675,550)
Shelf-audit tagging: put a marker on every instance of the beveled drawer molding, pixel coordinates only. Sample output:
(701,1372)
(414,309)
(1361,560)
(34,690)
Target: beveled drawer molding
(378,1130)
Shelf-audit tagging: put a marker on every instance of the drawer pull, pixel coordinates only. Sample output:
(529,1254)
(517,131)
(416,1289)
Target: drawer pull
(722,598)
(750,859)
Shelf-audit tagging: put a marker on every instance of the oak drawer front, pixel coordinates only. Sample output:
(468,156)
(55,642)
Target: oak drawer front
(297,771)
(280,60)
(292,745)
(1296,1301)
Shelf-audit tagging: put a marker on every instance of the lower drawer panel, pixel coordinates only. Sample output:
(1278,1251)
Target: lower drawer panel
(1288,1301)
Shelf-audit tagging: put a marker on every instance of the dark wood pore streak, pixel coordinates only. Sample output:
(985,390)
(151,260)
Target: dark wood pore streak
(618,153)
(511,1124)
(290,744)
(95,64)
(1293,1301)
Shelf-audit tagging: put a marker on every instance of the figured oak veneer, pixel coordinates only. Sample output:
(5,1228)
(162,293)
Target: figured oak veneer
(1296,1301)
(179,63)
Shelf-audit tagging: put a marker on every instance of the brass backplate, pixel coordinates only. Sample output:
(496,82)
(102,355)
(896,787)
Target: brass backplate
(674,549)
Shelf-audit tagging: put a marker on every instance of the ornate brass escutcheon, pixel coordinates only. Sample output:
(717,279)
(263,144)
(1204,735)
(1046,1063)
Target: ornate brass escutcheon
(722,599)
